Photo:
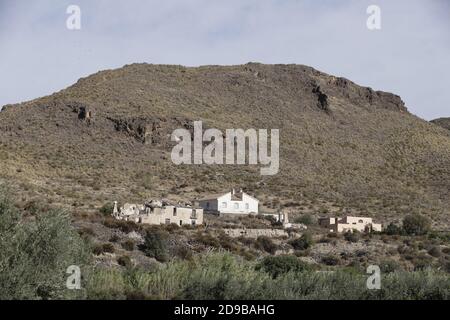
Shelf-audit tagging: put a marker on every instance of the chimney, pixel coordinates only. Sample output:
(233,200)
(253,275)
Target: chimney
(115,211)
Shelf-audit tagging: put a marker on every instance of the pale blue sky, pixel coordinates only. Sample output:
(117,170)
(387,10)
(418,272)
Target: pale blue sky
(408,56)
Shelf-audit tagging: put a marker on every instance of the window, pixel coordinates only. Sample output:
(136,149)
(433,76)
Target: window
(174,212)
(194,214)
(360,221)
(167,221)
(236,205)
(224,204)
(193,222)
(207,205)
(247,206)
(181,222)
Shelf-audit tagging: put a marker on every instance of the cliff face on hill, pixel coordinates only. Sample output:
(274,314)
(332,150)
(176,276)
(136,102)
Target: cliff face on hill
(442,122)
(342,146)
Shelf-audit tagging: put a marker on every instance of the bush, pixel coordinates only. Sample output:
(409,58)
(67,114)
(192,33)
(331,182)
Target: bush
(226,277)
(155,245)
(103,248)
(207,240)
(416,225)
(351,236)
(35,254)
(278,265)
(124,226)
(388,266)
(331,260)
(266,244)
(302,243)
(125,261)
(128,245)
(107,209)
(306,219)
(435,251)
(393,229)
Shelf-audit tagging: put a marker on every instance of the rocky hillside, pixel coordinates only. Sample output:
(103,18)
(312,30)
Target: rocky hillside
(443,122)
(344,148)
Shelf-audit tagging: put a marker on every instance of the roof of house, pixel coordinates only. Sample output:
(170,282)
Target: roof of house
(213,196)
(234,197)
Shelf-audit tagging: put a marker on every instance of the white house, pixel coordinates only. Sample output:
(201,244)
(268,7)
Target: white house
(230,202)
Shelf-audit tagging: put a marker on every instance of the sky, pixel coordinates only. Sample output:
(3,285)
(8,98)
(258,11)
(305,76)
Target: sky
(409,55)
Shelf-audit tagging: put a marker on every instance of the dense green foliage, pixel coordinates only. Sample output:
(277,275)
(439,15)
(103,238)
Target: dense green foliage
(302,243)
(107,209)
(155,245)
(416,225)
(266,244)
(278,265)
(223,276)
(35,253)
(352,236)
(306,219)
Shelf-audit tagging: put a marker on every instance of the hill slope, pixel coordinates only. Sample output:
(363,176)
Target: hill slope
(443,122)
(343,147)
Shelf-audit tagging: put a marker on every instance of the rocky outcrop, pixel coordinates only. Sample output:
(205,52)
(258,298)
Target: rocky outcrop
(442,122)
(341,87)
(322,99)
(84,112)
(154,131)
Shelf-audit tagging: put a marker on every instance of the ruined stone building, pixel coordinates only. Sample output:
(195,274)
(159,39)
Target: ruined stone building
(348,223)
(159,212)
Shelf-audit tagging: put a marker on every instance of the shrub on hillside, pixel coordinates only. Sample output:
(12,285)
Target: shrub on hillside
(226,277)
(266,244)
(124,226)
(388,266)
(330,260)
(125,261)
(306,219)
(35,254)
(155,245)
(435,251)
(302,243)
(107,209)
(128,245)
(277,265)
(207,240)
(393,229)
(352,236)
(416,225)
(103,248)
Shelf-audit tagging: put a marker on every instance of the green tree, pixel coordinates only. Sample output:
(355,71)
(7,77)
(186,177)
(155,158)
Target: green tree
(35,254)
(155,245)
(266,244)
(416,225)
(306,219)
(277,265)
(393,229)
(302,243)
(351,236)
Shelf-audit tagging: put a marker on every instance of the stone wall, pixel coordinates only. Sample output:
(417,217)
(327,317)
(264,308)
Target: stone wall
(255,233)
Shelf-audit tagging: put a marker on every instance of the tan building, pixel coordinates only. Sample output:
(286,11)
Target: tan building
(172,214)
(348,223)
(156,212)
